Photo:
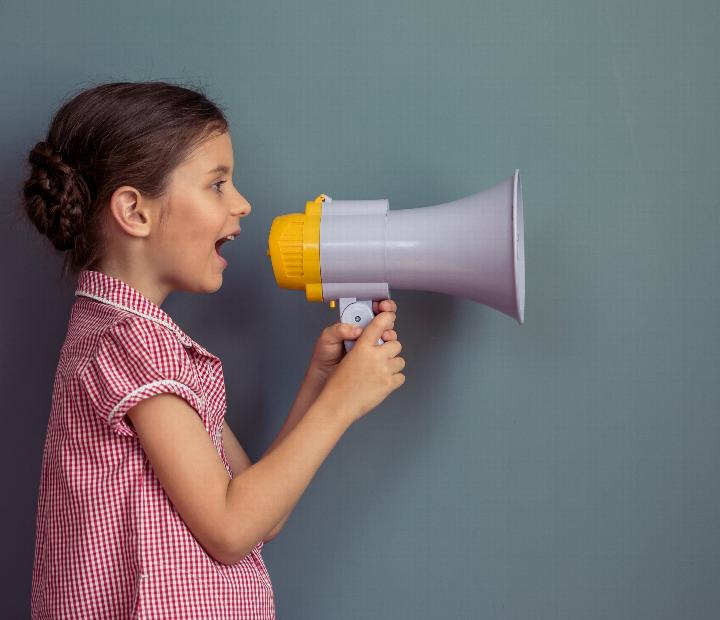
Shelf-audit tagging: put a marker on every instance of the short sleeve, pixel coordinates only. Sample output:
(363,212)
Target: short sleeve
(134,359)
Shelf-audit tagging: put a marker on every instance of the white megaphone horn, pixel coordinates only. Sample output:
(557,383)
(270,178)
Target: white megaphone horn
(353,251)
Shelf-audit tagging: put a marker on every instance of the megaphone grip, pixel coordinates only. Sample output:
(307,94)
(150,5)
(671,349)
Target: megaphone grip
(357,313)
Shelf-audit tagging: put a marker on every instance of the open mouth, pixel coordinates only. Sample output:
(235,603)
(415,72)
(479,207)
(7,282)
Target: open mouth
(222,240)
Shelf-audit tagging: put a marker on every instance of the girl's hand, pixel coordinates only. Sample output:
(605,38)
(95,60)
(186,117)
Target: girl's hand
(329,348)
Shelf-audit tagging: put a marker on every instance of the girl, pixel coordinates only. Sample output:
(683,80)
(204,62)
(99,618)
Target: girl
(148,506)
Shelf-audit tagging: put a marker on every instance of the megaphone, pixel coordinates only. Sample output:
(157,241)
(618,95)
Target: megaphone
(351,252)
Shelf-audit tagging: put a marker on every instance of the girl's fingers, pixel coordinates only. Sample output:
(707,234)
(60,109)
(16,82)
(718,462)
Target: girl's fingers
(389,334)
(385,305)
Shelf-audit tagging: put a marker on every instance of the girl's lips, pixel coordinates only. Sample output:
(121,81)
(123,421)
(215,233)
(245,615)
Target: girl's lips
(224,238)
(234,233)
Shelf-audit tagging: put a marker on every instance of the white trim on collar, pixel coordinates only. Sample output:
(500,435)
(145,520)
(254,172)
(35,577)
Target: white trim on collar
(183,338)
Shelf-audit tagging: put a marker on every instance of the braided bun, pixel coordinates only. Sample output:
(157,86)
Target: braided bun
(56,197)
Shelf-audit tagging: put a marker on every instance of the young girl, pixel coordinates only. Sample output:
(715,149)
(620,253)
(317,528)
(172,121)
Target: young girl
(148,506)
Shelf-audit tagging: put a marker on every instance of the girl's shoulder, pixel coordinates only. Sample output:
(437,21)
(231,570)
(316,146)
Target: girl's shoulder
(131,358)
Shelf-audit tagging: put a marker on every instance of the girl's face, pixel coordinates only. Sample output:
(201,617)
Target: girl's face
(204,206)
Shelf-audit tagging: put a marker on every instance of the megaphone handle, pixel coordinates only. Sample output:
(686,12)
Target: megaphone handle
(356,312)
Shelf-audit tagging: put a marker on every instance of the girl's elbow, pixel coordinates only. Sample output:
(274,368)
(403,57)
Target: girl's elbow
(234,554)
(234,548)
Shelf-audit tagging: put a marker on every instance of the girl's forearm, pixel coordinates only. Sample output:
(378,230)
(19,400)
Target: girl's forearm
(261,495)
(312,385)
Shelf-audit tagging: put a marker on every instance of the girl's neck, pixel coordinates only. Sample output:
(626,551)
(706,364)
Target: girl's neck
(139,278)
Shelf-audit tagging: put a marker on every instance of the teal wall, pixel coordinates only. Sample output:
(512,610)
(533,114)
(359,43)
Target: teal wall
(566,468)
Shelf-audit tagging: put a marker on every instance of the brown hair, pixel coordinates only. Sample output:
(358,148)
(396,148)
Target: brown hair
(121,133)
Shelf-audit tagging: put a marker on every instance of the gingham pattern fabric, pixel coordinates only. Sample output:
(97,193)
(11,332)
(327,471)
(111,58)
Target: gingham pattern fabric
(109,542)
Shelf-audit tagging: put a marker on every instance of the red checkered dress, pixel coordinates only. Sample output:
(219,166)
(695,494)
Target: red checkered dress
(109,542)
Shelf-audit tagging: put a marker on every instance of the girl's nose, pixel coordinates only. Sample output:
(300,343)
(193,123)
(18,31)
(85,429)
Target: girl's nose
(243,207)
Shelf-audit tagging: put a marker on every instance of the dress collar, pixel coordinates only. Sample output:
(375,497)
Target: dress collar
(109,290)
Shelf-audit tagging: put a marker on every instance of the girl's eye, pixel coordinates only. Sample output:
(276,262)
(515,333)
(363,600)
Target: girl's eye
(219,191)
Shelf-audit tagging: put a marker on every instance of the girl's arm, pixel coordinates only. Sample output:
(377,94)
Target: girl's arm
(237,457)
(311,387)
(229,517)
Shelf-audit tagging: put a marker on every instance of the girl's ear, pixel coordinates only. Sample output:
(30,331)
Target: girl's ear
(130,211)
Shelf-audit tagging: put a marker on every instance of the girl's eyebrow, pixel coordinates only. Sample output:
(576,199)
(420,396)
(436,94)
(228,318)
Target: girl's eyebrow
(220,168)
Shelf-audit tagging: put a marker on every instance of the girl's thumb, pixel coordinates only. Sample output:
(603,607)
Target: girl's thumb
(348,330)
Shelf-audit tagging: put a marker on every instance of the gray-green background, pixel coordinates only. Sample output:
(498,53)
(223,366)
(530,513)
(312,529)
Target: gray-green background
(566,468)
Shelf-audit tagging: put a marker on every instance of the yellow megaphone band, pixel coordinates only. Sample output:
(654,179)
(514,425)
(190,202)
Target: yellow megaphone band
(294,249)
